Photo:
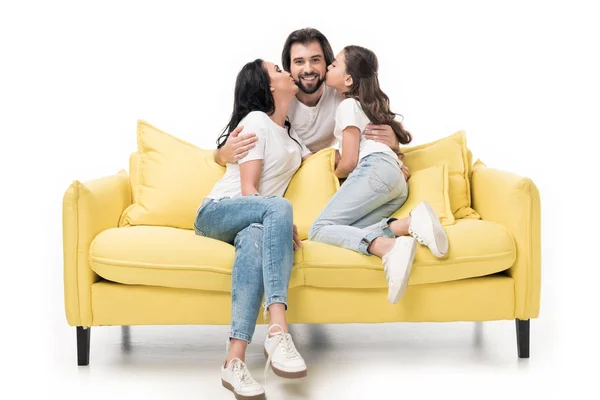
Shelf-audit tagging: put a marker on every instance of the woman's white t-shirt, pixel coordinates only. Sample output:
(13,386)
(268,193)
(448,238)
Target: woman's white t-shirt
(350,113)
(280,154)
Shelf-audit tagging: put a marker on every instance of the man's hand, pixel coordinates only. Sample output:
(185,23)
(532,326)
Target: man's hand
(405,172)
(297,242)
(237,147)
(383,134)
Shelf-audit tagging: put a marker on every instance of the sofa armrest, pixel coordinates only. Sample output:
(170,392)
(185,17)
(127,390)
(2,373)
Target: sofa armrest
(514,202)
(88,209)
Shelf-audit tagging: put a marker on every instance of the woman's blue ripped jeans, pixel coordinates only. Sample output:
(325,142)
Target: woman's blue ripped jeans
(261,229)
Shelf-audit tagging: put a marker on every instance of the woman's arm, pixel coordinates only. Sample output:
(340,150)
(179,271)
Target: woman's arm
(250,176)
(350,150)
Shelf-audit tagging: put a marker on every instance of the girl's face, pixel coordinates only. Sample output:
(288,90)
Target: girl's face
(337,77)
(282,83)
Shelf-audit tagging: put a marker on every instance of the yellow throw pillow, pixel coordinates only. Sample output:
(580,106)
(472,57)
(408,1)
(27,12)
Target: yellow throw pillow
(311,188)
(452,151)
(172,178)
(431,185)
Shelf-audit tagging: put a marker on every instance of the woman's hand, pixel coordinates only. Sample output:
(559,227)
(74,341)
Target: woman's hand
(237,146)
(383,134)
(405,172)
(297,242)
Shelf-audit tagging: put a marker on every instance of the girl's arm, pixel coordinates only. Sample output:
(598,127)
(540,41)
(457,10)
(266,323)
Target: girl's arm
(350,151)
(250,176)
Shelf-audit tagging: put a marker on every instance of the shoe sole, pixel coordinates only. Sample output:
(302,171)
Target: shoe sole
(285,374)
(399,288)
(238,396)
(440,238)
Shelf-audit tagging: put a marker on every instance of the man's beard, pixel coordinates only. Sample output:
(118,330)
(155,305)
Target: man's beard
(310,90)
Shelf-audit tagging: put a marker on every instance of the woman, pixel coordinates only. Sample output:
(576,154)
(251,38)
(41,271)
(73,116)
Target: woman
(246,208)
(357,216)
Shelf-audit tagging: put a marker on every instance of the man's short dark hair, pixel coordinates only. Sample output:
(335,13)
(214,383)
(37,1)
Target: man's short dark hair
(305,36)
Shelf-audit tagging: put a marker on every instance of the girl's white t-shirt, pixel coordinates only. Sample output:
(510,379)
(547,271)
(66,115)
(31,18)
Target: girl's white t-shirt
(350,113)
(281,157)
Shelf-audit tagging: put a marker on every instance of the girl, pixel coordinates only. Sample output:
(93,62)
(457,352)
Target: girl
(357,216)
(246,208)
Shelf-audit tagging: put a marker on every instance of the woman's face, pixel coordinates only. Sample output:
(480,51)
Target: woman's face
(337,77)
(282,83)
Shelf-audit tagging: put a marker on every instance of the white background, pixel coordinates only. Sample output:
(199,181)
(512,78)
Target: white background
(520,77)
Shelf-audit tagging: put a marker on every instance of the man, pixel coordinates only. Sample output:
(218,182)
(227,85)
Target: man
(306,55)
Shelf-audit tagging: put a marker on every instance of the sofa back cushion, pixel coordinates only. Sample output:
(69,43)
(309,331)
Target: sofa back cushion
(170,177)
(311,188)
(452,151)
(431,185)
(169,181)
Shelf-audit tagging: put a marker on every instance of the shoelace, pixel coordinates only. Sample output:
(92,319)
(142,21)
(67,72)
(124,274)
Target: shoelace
(289,349)
(241,371)
(414,234)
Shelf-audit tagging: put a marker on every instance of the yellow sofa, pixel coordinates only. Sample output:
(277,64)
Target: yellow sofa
(127,261)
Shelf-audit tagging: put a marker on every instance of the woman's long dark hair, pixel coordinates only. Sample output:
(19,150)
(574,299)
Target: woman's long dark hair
(362,65)
(252,93)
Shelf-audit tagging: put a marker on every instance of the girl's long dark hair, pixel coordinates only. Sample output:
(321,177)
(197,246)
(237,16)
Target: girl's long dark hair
(362,65)
(252,93)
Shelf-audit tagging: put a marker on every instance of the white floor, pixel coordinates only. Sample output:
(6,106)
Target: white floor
(463,360)
(426,360)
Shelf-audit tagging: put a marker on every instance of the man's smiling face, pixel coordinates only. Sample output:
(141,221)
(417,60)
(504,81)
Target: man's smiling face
(308,66)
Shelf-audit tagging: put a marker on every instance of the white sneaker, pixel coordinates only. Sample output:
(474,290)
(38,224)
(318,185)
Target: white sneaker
(426,228)
(397,264)
(282,355)
(237,378)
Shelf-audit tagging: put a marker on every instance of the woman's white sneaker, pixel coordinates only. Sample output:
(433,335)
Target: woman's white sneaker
(282,356)
(425,227)
(397,264)
(237,378)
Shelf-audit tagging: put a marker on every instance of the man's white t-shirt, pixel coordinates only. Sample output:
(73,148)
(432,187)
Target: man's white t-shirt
(280,154)
(315,124)
(350,113)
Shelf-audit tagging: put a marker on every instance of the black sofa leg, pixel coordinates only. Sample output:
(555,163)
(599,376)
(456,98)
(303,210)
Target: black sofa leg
(83,345)
(522,337)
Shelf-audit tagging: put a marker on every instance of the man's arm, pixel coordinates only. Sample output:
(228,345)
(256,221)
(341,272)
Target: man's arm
(383,134)
(236,147)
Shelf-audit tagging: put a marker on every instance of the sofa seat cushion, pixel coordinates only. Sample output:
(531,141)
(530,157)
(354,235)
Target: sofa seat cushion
(477,248)
(167,257)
